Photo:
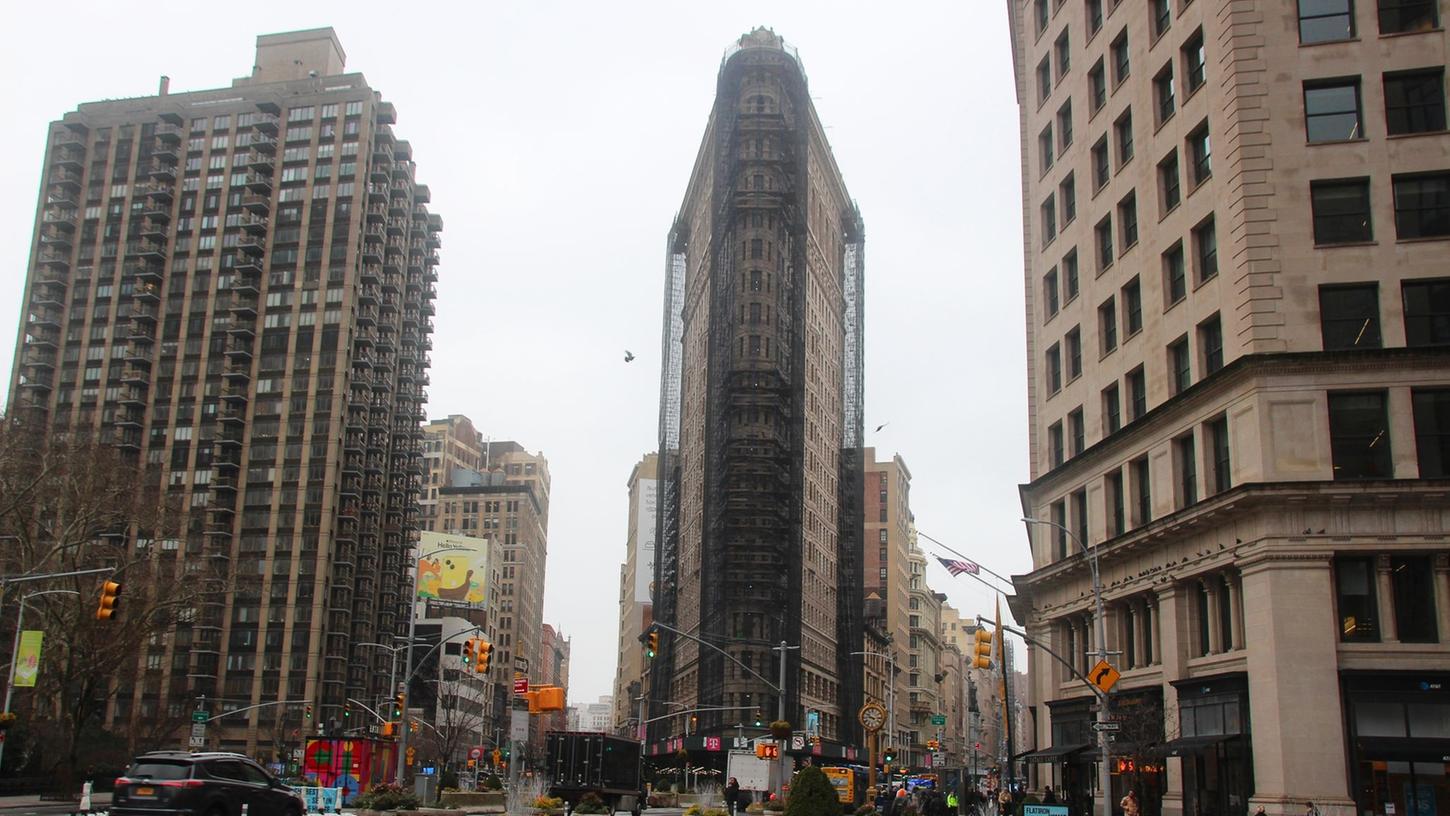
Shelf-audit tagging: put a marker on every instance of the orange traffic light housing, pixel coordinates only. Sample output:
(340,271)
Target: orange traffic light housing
(106,609)
(982,651)
(470,649)
(484,654)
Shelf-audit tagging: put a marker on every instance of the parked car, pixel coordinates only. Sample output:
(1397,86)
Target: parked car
(178,783)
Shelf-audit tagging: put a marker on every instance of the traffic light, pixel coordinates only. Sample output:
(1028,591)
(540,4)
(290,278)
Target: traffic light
(307,711)
(767,750)
(346,710)
(484,655)
(106,609)
(889,755)
(759,718)
(470,646)
(982,651)
(654,644)
(398,705)
(387,730)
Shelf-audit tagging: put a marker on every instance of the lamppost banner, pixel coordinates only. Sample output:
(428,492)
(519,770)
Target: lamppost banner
(27,658)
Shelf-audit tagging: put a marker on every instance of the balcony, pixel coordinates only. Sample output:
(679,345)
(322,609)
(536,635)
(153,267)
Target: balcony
(153,229)
(57,238)
(258,204)
(133,396)
(130,419)
(144,272)
(237,373)
(248,265)
(386,113)
(232,414)
(140,356)
(150,250)
(157,210)
(377,193)
(371,273)
(56,218)
(167,133)
(53,257)
(135,376)
(144,312)
(252,223)
(38,357)
(67,138)
(252,243)
(161,192)
(239,353)
(264,122)
(61,197)
(141,331)
(66,178)
(260,162)
(264,144)
(258,183)
(161,171)
(165,150)
(147,293)
(46,317)
(233,394)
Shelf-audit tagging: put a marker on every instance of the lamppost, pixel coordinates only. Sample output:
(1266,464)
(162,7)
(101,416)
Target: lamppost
(15,647)
(1105,778)
(393,672)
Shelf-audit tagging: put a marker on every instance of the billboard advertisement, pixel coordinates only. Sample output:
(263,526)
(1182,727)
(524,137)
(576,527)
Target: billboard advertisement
(453,568)
(644,539)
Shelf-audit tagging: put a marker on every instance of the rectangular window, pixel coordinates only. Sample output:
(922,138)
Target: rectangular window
(1180,365)
(1120,58)
(1103,233)
(1170,190)
(1048,212)
(1045,150)
(1080,516)
(1205,249)
(1112,410)
(1100,164)
(1432,431)
(1201,154)
(1059,528)
(1175,278)
(1222,476)
(1349,316)
(1054,443)
(1406,16)
(1422,205)
(1162,16)
(1069,275)
(1067,195)
(1094,16)
(1074,353)
(1133,306)
(1064,126)
(1331,111)
(1185,461)
(1325,21)
(1427,312)
(1039,8)
(1163,93)
(1123,132)
(1137,393)
(1044,80)
(1341,211)
(1210,344)
(1097,87)
(1075,432)
(1359,435)
(1142,492)
(1063,50)
(1412,578)
(1115,497)
(1107,327)
(1049,291)
(1415,102)
(1128,220)
(1354,580)
(1054,369)
(1195,62)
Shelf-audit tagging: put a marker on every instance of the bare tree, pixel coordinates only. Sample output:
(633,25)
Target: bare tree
(456,724)
(67,504)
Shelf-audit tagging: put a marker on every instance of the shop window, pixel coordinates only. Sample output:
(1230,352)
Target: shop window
(1354,584)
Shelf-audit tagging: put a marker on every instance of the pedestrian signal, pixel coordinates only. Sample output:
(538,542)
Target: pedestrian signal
(765,750)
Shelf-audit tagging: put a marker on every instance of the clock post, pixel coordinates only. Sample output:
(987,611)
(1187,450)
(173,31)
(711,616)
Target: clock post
(872,716)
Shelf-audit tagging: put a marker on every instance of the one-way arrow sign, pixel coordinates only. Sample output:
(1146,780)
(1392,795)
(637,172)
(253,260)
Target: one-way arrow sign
(1107,726)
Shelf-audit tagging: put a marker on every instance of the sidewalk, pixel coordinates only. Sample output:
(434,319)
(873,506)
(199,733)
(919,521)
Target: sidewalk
(33,801)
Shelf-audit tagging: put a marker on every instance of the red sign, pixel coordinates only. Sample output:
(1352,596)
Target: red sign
(476,752)
(712,743)
(521,686)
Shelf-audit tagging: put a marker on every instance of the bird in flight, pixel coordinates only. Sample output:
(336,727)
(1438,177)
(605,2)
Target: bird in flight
(879,427)
(628,356)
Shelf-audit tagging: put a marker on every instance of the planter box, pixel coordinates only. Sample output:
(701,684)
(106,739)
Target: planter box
(468,800)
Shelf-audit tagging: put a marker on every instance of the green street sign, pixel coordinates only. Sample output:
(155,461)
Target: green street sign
(938,719)
(200,716)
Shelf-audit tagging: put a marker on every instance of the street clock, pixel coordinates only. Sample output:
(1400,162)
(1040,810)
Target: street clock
(872,716)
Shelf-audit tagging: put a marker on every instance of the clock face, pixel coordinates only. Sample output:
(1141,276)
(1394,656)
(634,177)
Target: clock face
(873,716)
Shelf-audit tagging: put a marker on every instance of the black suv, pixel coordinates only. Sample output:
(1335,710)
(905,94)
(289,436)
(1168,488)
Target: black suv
(177,783)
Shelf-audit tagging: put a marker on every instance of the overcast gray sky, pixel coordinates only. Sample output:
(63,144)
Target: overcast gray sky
(557,138)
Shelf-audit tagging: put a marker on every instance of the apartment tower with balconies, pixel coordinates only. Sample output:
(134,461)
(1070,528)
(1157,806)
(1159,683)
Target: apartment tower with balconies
(235,286)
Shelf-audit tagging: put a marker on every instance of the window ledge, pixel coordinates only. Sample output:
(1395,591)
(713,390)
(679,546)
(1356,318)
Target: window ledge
(1205,281)
(1417,134)
(1424,239)
(1105,355)
(1329,42)
(1192,92)
(1165,120)
(1318,245)
(1170,307)
(1394,34)
(1356,140)
(1171,210)
(1194,187)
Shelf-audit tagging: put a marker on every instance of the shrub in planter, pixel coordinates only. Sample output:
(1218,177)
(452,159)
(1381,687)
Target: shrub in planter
(775,806)
(812,795)
(755,807)
(694,810)
(591,803)
(661,800)
(717,812)
(548,803)
(386,797)
(866,810)
(780,729)
(492,782)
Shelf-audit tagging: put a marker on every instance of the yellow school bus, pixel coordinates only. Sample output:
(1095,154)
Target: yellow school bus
(844,781)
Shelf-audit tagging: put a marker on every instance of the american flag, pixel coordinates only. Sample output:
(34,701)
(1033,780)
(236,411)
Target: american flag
(957,566)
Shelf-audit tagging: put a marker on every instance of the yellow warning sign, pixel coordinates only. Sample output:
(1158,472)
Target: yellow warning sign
(1104,676)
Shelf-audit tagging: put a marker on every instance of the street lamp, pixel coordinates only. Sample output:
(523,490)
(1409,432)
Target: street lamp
(15,647)
(393,672)
(1099,623)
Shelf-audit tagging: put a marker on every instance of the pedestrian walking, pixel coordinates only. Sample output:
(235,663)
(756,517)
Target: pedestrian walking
(732,795)
(1129,804)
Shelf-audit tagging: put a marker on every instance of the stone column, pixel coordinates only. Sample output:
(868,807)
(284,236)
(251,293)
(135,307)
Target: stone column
(1215,638)
(1294,694)
(1155,639)
(1442,593)
(1172,625)
(1385,600)
(1231,597)
(1140,625)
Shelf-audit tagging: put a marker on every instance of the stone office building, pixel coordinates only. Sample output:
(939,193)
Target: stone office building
(1238,323)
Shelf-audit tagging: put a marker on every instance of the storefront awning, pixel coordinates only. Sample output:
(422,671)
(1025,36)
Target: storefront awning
(1056,753)
(1192,745)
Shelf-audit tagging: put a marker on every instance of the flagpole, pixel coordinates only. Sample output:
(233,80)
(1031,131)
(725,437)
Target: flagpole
(1004,579)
